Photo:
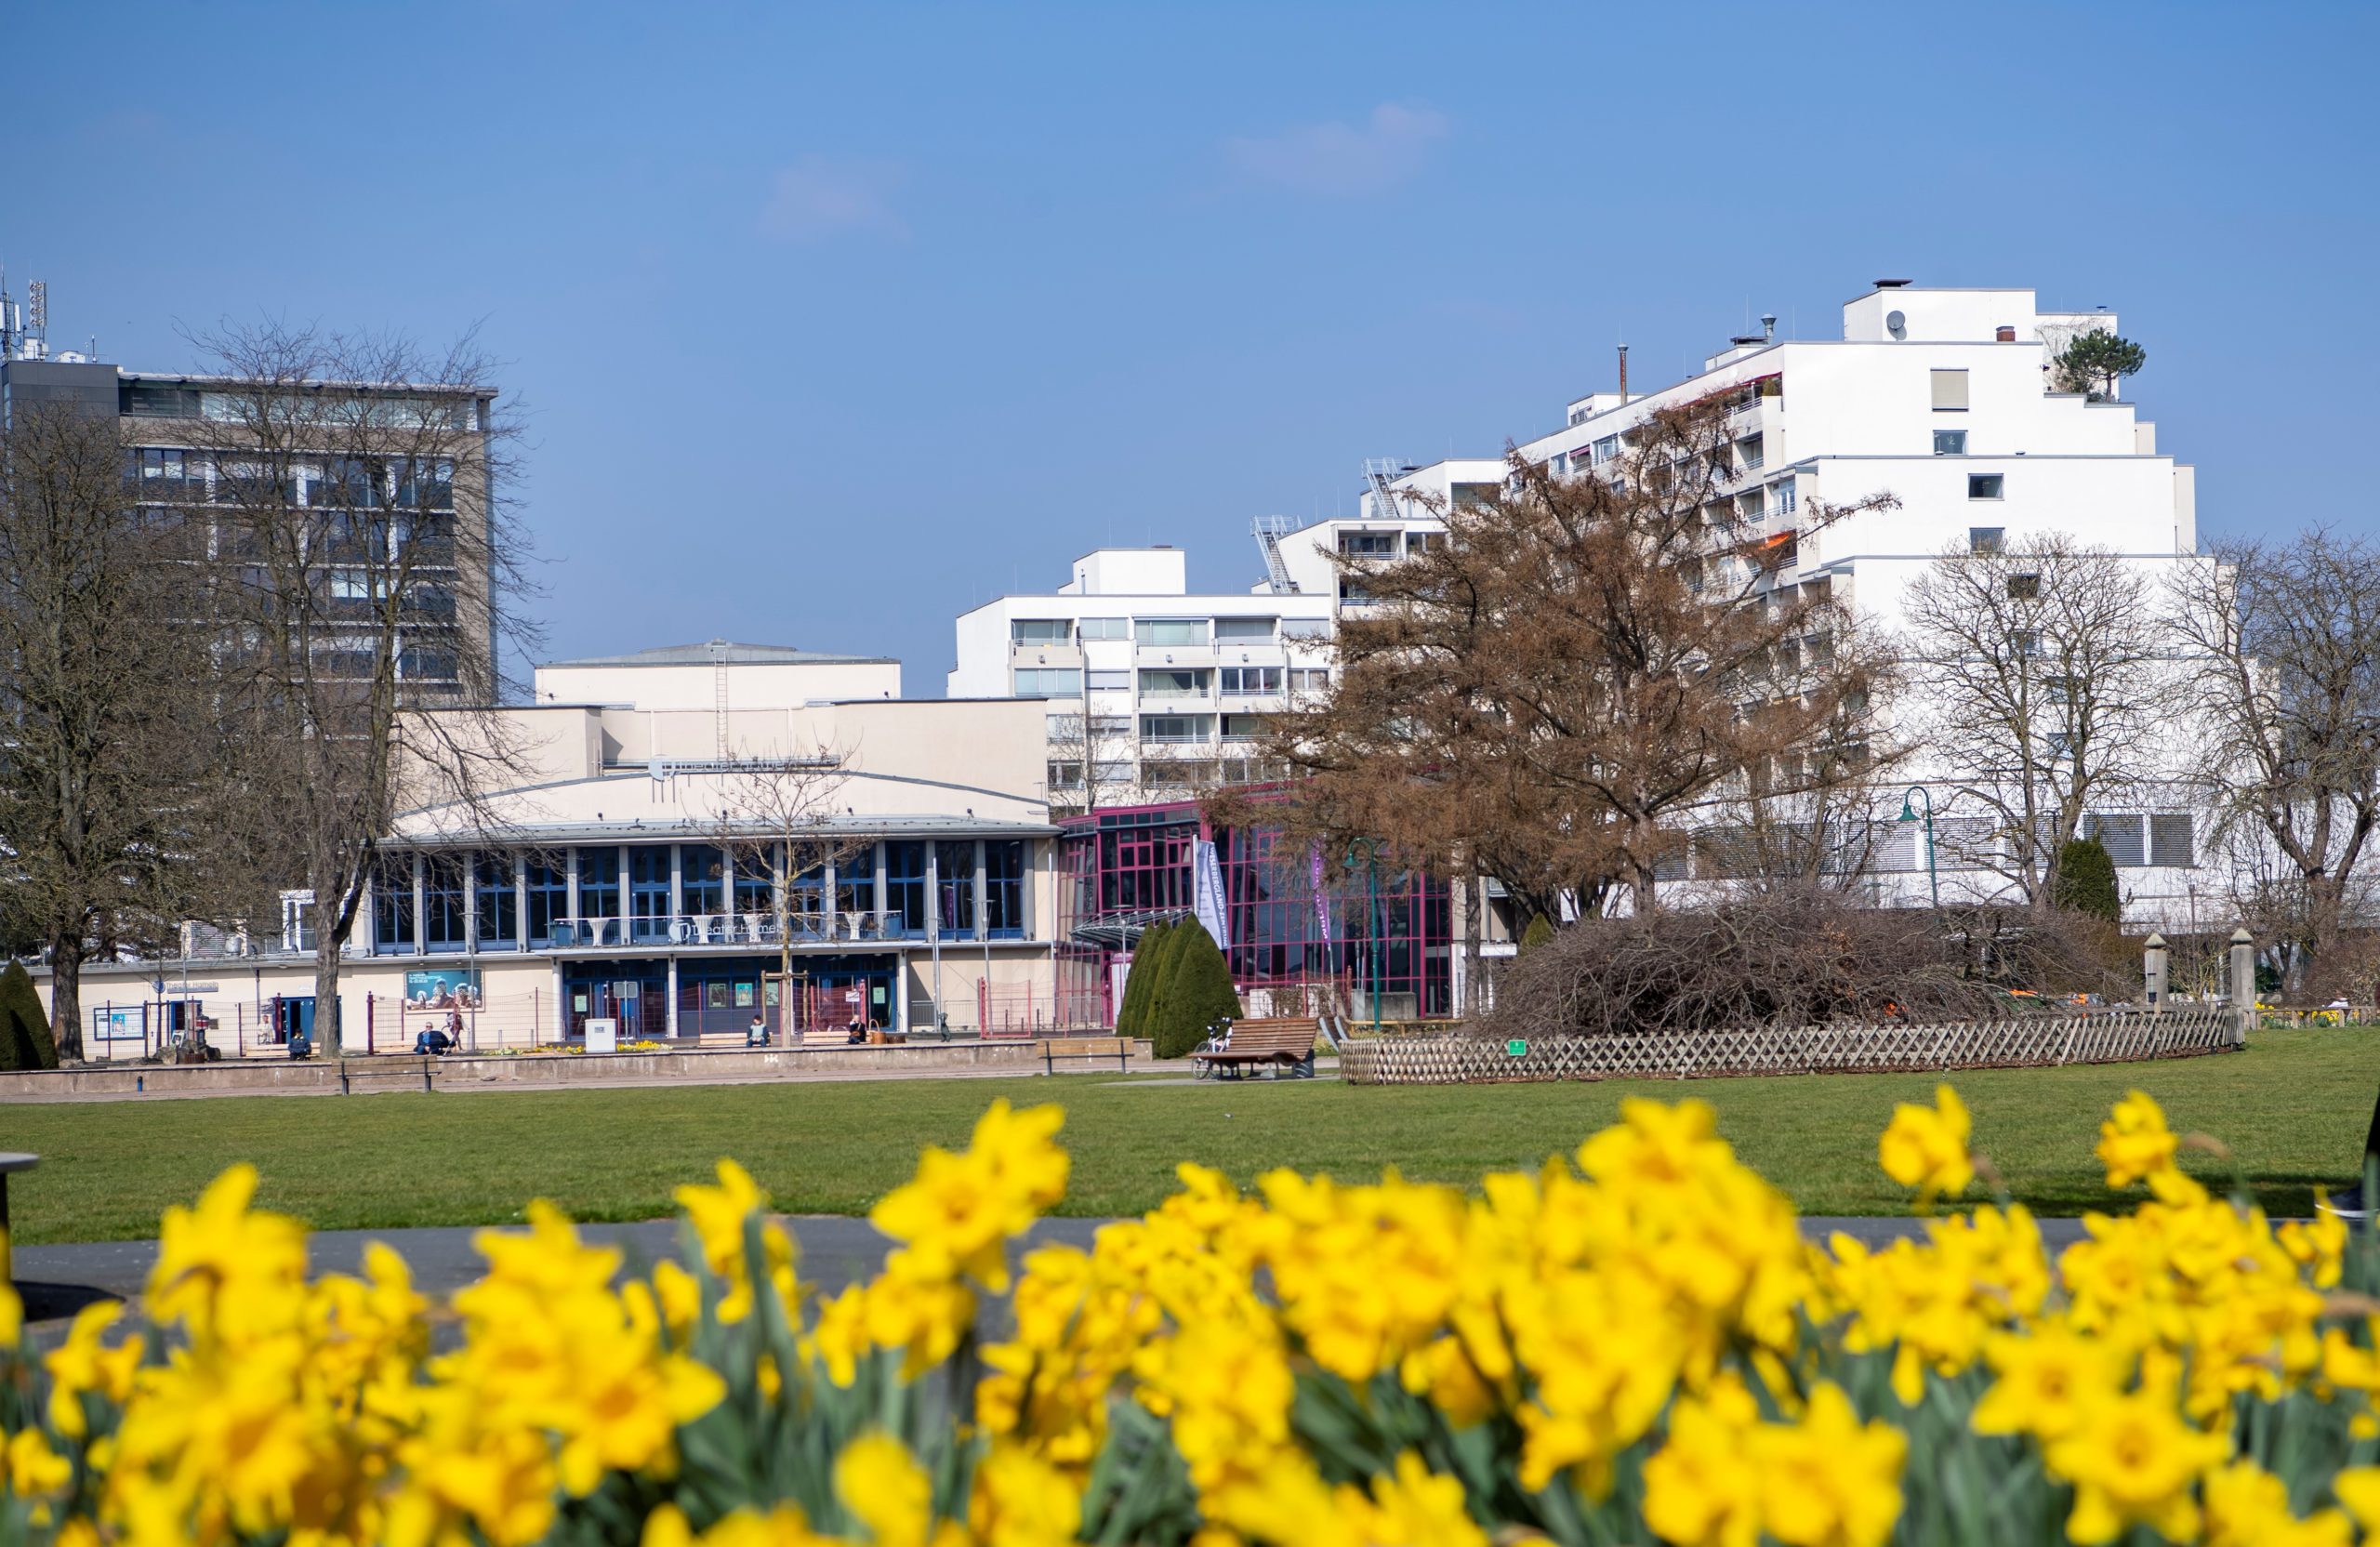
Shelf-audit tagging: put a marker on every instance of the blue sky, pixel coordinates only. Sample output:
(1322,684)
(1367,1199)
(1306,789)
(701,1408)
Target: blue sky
(828,323)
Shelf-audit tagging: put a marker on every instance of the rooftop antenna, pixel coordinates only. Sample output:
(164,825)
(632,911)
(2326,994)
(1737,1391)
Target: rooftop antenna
(7,327)
(37,324)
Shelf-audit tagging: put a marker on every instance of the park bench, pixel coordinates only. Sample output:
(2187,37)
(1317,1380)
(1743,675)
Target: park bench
(386,1073)
(1284,1043)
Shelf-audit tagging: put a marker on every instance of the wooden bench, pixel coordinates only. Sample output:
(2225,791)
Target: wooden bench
(1283,1043)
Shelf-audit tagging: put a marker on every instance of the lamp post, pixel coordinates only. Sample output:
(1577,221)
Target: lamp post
(1370,848)
(1908,813)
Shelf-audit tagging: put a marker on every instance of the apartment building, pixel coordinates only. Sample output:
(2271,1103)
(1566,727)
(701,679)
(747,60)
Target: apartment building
(1153,693)
(1945,399)
(412,518)
(634,868)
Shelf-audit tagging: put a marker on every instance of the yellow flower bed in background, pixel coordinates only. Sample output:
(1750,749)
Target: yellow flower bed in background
(1633,1343)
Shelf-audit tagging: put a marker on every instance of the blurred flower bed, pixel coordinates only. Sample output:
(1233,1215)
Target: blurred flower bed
(1633,1343)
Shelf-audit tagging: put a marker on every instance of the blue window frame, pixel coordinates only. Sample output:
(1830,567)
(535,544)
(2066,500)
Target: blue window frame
(755,883)
(702,878)
(1004,888)
(499,905)
(808,895)
(549,897)
(649,891)
(904,887)
(442,903)
(856,881)
(392,907)
(598,883)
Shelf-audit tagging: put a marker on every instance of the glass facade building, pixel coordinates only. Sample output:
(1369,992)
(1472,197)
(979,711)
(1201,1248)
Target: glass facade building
(1306,936)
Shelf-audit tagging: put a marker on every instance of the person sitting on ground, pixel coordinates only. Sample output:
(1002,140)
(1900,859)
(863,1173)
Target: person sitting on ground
(757,1034)
(856,1032)
(432,1040)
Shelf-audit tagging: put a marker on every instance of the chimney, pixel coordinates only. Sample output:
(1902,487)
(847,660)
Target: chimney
(2005,334)
(1623,375)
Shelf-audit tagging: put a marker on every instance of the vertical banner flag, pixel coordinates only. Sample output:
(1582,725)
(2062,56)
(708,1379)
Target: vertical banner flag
(1207,891)
(1321,896)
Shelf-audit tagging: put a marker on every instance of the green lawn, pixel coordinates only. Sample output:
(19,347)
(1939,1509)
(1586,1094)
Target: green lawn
(2292,1106)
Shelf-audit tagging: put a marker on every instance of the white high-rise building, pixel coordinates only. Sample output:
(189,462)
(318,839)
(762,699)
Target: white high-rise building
(1944,399)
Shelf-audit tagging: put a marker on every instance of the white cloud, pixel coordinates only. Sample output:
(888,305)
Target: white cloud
(819,196)
(1344,159)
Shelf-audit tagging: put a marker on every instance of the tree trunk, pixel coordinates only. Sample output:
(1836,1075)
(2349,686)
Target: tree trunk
(66,995)
(329,1034)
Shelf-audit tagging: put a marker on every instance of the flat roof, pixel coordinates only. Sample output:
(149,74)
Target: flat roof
(716,652)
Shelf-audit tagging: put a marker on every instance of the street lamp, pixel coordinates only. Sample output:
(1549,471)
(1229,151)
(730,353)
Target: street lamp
(1908,813)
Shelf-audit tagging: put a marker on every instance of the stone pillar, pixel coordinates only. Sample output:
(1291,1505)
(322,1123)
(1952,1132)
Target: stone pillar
(2244,982)
(2152,971)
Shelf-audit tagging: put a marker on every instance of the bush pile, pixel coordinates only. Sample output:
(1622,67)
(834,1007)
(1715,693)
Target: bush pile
(1797,960)
(1630,1343)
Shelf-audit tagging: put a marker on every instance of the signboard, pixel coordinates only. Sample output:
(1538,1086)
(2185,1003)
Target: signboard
(443,988)
(603,1034)
(1516,1049)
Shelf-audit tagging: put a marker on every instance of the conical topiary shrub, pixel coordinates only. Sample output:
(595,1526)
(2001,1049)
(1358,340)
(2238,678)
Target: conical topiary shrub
(2086,881)
(1161,975)
(1139,982)
(25,1042)
(1540,930)
(1197,994)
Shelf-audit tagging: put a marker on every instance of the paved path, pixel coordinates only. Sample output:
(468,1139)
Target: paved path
(835,1250)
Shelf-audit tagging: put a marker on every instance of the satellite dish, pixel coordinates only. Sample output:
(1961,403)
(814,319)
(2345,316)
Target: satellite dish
(1897,324)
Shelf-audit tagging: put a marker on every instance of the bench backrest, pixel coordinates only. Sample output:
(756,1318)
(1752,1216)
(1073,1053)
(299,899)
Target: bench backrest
(1274,1036)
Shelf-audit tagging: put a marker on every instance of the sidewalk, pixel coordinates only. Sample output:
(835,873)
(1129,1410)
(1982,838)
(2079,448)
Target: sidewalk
(835,1250)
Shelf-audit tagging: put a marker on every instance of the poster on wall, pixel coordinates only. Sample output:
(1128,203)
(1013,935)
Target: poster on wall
(443,988)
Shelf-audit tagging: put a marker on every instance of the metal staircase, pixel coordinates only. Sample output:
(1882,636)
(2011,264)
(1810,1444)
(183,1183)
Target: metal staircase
(1380,472)
(1269,531)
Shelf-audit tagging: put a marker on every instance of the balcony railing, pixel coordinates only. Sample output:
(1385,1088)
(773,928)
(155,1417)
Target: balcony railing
(727,929)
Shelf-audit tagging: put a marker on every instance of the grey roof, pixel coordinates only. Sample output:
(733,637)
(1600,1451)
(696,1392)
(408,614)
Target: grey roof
(717,651)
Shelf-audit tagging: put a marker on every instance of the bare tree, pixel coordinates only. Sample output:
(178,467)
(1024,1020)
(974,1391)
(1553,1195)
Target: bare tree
(776,813)
(1094,746)
(1557,693)
(2287,641)
(111,757)
(354,492)
(2044,670)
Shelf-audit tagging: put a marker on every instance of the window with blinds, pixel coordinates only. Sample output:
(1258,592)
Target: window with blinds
(1950,391)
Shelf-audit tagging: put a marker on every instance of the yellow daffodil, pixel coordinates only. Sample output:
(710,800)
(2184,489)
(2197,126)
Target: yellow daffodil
(2133,1460)
(2134,1144)
(1925,1147)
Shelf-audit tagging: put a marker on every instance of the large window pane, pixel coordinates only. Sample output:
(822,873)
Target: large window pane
(549,896)
(904,887)
(599,882)
(702,878)
(392,905)
(649,891)
(955,887)
(443,896)
(498,906)
(1004,888)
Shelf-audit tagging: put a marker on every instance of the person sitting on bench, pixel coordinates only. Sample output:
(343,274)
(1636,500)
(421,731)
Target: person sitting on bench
(757,1034)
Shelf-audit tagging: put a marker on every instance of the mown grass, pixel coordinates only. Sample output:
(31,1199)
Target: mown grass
(2293,1107)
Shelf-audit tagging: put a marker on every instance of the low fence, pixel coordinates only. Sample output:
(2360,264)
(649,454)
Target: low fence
(2119,1037)
(360,1076)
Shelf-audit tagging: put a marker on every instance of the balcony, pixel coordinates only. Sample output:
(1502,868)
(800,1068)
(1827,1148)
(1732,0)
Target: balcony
(1035,653)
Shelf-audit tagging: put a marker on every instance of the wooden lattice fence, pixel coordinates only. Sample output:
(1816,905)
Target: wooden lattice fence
(2119,1038)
